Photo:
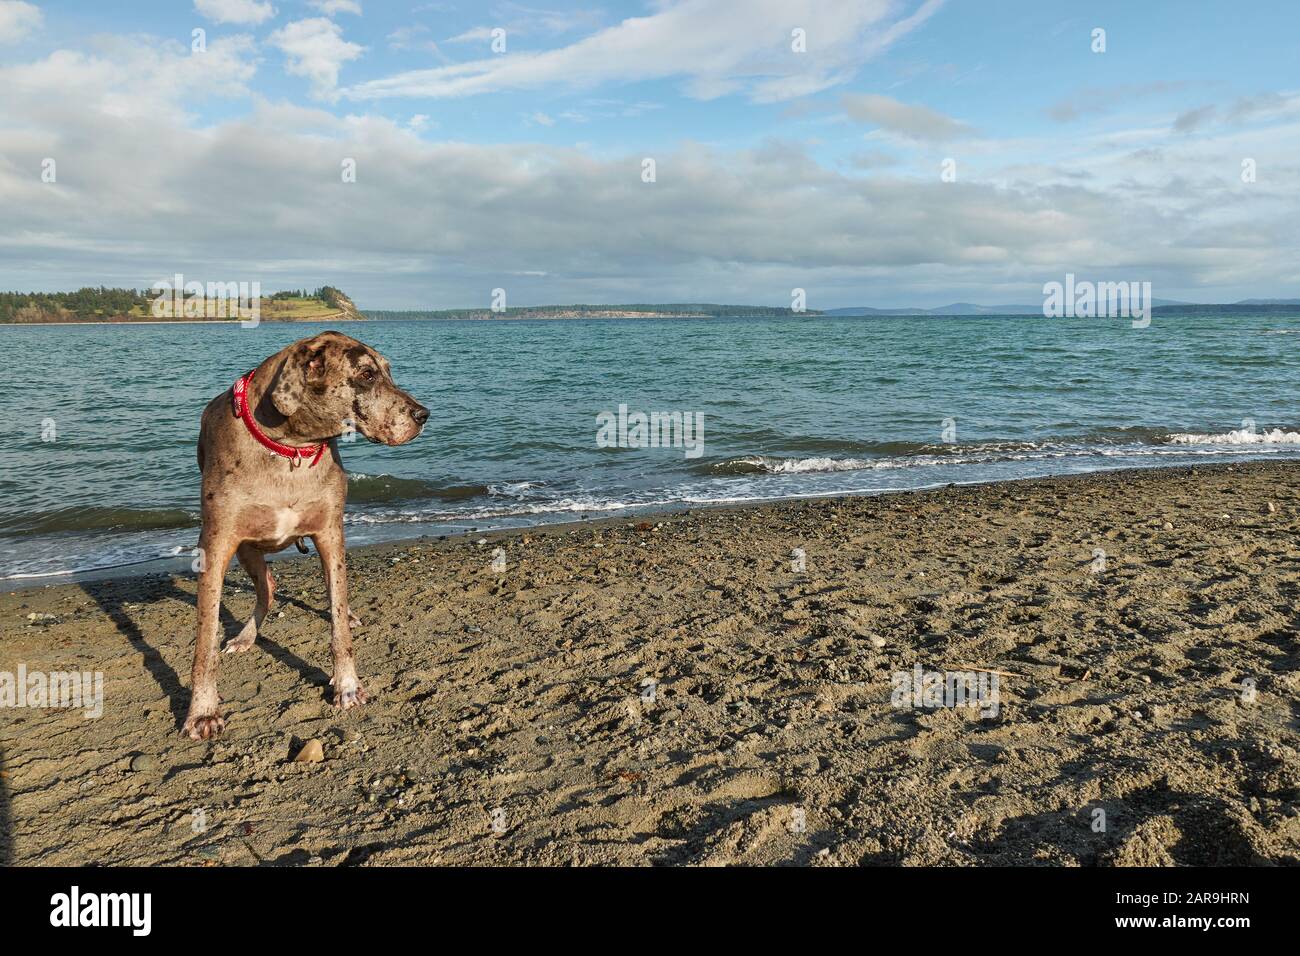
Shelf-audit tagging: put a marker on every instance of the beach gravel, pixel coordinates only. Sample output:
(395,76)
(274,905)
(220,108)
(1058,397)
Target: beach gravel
(683,695)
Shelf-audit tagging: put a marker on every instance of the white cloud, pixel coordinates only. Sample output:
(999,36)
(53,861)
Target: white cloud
(520,20)
(472,35)
(874,159)
(907,120)
(541,119)
(331,7)
(17,20)
(414,37)
(1265,107)
(316,50)
(123,80)
(1104,99)
(422,224)
(403,38)
(716,47)
(250,12)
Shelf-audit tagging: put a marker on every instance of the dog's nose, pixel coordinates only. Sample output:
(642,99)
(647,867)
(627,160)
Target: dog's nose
(420,414)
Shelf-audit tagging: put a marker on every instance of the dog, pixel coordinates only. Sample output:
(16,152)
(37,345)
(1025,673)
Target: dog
(272,477)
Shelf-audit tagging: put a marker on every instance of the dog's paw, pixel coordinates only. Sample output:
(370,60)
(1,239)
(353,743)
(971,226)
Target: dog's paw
(203,726)
(353,620)
(349,694)
(242,641)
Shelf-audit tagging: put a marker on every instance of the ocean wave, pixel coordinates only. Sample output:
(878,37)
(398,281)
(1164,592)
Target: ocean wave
(126,552)
(770,465)
(91,567)
(99,519)
(378,489)
(381,489)
(513,489)
(995,452)
(1242,436)
(521,510)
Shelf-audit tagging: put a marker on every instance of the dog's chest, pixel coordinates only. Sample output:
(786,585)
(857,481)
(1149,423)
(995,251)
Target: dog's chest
(274,525)
(287,523)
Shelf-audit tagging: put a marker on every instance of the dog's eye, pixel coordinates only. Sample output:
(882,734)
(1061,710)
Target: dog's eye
(367,375)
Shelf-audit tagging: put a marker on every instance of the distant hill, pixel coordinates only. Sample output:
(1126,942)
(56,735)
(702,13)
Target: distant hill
(326,304)
(1280,307)
(956,308)
(967,308)
(869,310)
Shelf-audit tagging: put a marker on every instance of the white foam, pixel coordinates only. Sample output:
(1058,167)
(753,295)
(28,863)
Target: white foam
(561,506)
(1242,436)
(785,466)
(511,489)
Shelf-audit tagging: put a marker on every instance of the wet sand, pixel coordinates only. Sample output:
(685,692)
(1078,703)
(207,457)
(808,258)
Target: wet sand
(672,690)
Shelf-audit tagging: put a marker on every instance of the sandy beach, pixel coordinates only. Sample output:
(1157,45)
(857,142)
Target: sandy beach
(672,690)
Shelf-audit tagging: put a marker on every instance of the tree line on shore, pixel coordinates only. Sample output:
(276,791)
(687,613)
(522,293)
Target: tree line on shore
(91,302)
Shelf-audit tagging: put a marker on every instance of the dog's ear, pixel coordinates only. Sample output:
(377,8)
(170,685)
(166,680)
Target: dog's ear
(304,368)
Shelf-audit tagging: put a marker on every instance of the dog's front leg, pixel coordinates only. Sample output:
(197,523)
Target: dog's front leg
(348,691)
(204,719)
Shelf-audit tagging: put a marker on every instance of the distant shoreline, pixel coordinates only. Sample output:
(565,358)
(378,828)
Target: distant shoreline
(567,315)
(23,325)
(103,306)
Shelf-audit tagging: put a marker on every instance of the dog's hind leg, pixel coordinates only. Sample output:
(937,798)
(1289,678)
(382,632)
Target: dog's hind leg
(253,561)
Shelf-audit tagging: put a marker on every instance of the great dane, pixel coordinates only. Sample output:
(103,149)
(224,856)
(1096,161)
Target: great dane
(272,477)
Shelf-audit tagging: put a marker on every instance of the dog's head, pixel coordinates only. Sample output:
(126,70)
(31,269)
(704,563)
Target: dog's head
(330,383)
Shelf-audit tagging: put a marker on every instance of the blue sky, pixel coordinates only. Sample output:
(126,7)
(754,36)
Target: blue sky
(775,168)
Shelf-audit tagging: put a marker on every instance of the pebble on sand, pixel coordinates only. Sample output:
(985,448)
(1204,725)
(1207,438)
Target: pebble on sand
(312,752)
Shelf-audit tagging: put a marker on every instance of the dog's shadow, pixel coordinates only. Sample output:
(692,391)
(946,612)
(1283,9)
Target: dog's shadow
(112,600)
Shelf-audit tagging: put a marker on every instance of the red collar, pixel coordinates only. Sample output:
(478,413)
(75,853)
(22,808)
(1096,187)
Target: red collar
(295,455)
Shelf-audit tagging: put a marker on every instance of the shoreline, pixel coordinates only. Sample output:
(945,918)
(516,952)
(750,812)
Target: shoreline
(502,318)
(181,322)
(176,565)
(673,690)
